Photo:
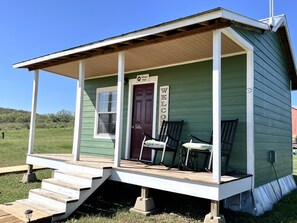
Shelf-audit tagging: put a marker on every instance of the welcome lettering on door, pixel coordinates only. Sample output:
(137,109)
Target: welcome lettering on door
(163,104)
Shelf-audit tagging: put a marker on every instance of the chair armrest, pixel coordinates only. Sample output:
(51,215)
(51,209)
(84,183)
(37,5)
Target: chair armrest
(149,136)
(170,137)
(200,140)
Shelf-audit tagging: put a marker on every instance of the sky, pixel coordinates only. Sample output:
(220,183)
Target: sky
(33,28)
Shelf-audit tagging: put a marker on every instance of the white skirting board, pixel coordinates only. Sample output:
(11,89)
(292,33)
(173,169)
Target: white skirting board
(262,198)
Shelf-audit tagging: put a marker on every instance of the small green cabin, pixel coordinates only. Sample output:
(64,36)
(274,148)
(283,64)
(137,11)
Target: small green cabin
(212,66)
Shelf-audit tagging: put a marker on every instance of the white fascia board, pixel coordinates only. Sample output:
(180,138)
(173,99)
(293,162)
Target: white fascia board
(281,21)
(278,21)
(285,24)
(186,187)
(127,37)
(226,14)
(221,13)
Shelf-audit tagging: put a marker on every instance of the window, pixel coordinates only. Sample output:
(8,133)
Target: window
(105,117)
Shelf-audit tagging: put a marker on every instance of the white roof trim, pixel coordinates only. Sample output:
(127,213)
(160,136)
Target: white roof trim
(281,21)
(219,13)
(285,24)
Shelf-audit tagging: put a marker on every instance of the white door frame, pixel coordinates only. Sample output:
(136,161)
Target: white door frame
(132,83)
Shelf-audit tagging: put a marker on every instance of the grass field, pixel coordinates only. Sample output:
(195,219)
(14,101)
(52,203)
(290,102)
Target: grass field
(112,201)
(14,147)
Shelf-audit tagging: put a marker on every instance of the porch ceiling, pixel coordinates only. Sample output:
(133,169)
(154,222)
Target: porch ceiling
(181,50)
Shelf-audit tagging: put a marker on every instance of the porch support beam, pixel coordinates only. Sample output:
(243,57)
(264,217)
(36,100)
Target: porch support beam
(119,117)
(78,112)
(30,176)
(233,35)
(214,215)
(33,112)
(144,204)
(216,106)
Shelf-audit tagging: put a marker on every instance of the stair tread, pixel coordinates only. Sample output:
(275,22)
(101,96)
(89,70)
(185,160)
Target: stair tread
(17,209)
(36,205)
(53,195)
(66,184)
(79,174)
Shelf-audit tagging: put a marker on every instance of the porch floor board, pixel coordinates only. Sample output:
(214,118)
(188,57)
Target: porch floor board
(138,167)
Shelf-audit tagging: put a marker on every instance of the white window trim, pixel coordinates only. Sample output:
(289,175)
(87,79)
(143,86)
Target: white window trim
(132,83)
(102,135)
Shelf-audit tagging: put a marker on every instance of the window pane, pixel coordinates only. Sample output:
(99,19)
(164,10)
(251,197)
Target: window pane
(107,102)
(103,102)
(114,101)
(106,123)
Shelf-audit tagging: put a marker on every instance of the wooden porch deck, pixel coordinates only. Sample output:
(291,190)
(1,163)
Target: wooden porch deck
(137,167)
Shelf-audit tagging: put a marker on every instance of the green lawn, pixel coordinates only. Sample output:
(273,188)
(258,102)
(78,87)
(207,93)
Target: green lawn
(14,147)
(12,189)
(112,201)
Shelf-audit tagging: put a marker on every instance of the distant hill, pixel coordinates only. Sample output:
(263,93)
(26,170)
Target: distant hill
(8,110)
(19,119)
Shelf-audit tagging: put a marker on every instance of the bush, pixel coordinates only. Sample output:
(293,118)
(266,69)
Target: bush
(17,119)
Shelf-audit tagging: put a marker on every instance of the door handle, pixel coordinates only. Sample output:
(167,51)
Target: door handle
(136,127)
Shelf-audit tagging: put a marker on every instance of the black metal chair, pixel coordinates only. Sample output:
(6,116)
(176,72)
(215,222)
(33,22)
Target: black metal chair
(198,146)
(168,140)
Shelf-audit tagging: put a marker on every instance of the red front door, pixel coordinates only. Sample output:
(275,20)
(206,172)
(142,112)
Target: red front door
(142,118)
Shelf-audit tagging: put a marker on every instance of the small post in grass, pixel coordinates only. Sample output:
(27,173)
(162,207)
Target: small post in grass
(30,176)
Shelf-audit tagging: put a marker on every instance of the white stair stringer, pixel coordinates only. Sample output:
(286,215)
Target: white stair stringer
(67,190)
(84,192)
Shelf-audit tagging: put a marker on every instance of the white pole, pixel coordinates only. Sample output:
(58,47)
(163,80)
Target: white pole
(120,98)
(33,112)
(216,98)
(78,112)
(271,13)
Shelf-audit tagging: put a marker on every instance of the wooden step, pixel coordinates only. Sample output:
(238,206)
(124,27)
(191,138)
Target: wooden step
(84,167)
(55,196)
(17,209)
(62,187)
(74,177)
(61,183)
(51,199)
(39,206)
(79,174)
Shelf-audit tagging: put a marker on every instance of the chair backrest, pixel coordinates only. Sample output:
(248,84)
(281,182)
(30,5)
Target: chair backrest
(173,130)
(228,131)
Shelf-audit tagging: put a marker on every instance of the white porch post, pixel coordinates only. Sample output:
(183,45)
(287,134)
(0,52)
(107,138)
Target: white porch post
(30,175)
(229,32)
(78,112)
(33,112)
(119,117)
(216,98)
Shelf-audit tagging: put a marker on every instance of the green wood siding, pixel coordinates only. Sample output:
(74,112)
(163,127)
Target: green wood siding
(272,107)
(190,100)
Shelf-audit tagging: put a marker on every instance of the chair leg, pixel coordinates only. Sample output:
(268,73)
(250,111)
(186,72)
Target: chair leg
(155,156)
(226,165)
(141,150)
(163,154)
(210,161)
(187,156)
(174,155)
